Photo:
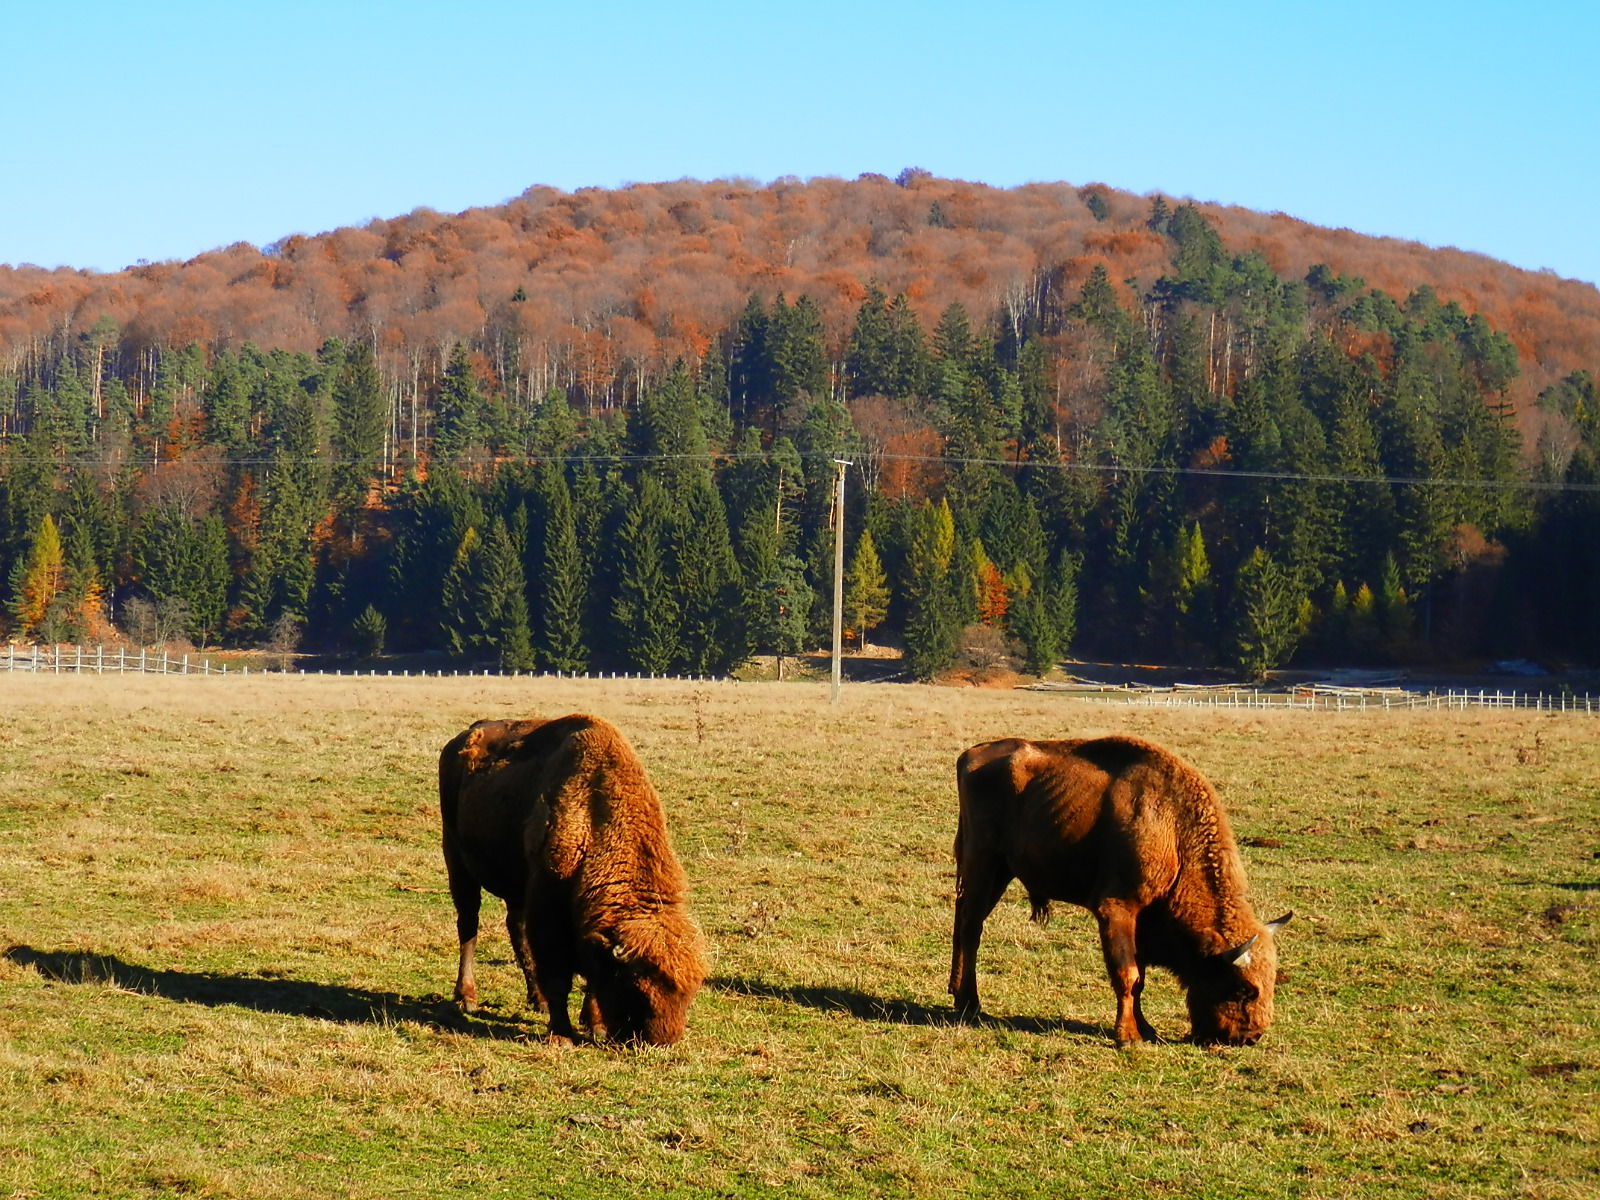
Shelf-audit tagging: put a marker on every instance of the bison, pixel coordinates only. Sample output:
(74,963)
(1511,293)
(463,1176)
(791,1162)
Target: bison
(559,820)
(1138,837)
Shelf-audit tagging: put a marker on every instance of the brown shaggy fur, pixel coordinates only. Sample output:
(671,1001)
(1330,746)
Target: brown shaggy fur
(559,820)
(1138,837)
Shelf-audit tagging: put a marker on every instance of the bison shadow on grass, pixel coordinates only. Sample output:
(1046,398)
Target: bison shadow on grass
(864,1007)
(268,994)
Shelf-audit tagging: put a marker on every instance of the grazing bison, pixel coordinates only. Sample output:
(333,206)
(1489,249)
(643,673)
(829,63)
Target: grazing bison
(1135,835)
(558,819)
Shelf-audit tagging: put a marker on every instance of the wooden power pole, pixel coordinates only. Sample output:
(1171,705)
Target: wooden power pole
(838,576)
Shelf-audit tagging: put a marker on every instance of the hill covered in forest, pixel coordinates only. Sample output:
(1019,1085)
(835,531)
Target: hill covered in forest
(599,427)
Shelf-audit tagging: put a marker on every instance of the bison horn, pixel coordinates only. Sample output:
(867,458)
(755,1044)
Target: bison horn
(1240,955)
(619,950)
(1274,926)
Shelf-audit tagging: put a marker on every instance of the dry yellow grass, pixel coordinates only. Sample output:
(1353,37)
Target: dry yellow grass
(225,948)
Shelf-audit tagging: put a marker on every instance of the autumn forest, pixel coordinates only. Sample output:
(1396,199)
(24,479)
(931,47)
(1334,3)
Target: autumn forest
(603,430)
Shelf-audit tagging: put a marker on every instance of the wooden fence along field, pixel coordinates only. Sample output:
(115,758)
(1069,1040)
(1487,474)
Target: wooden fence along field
(118,660)
(226,953)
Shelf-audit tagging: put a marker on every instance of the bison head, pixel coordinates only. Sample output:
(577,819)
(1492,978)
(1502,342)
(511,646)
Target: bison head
(1230,998)
(645,975)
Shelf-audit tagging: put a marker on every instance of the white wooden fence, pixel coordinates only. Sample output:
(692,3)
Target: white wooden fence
(112,660)
(100,660)
(1354,701)
(116,660)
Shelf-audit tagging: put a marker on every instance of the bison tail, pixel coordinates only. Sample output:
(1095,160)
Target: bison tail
(1041,910)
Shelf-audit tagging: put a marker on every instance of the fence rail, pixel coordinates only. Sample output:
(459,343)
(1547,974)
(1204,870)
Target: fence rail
(116,660)
(119,660)
(103,660)
(1356,701)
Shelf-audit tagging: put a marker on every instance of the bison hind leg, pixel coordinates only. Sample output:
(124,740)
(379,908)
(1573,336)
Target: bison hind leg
(589,1016)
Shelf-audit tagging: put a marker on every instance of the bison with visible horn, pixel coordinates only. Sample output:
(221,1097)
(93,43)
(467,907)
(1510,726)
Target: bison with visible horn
(559,820)
(1135,835)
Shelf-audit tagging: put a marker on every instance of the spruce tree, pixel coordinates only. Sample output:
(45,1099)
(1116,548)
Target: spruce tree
(866,589)
(645,610)
(1061,601)
(513,641)
(932,628)
(459,408)
(498,594)
(360,427)
(779,607)
(563,581)
(908,350)
(797,358)
(869,359)
(1029,624)
(208,593)
(707,581)
(370,630)
(1269,615)
(460,616)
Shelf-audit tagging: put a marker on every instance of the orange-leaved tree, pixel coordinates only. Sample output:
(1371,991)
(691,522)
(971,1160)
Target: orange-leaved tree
(38,579)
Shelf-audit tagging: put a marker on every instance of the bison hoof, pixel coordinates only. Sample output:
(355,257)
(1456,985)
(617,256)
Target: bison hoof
(559,1039)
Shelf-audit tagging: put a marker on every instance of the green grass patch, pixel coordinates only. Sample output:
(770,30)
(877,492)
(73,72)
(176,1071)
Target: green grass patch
(226,951)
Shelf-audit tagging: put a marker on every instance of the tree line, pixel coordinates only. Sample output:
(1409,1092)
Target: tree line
(1227,466)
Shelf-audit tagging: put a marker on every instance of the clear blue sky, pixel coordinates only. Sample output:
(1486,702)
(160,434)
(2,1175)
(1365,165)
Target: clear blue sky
(161,130)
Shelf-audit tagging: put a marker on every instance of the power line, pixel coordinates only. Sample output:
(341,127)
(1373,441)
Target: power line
(1532,485)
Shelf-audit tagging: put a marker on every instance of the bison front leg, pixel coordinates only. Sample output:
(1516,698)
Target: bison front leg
(979,887)
(551,944)
(555,981)
(1117,925)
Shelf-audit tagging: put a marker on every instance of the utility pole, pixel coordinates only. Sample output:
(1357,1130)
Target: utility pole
(838,575)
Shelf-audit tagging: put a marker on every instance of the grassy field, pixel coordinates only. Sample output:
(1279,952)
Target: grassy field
(226,952)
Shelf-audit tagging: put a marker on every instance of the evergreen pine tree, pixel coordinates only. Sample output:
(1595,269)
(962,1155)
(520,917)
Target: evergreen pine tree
(1061,601)
(360,426)
(370,630)
(459,408)
(460,617)
(1029,625)
(1393,611)
(869,359)
(207,594)
(513,641)
(1365,636)
(798,359)
(563,580)
(866,589)
(499,597)
(645,610)
(908,350)
(780,607)
(933,625)
(1269,615)
(707,577)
